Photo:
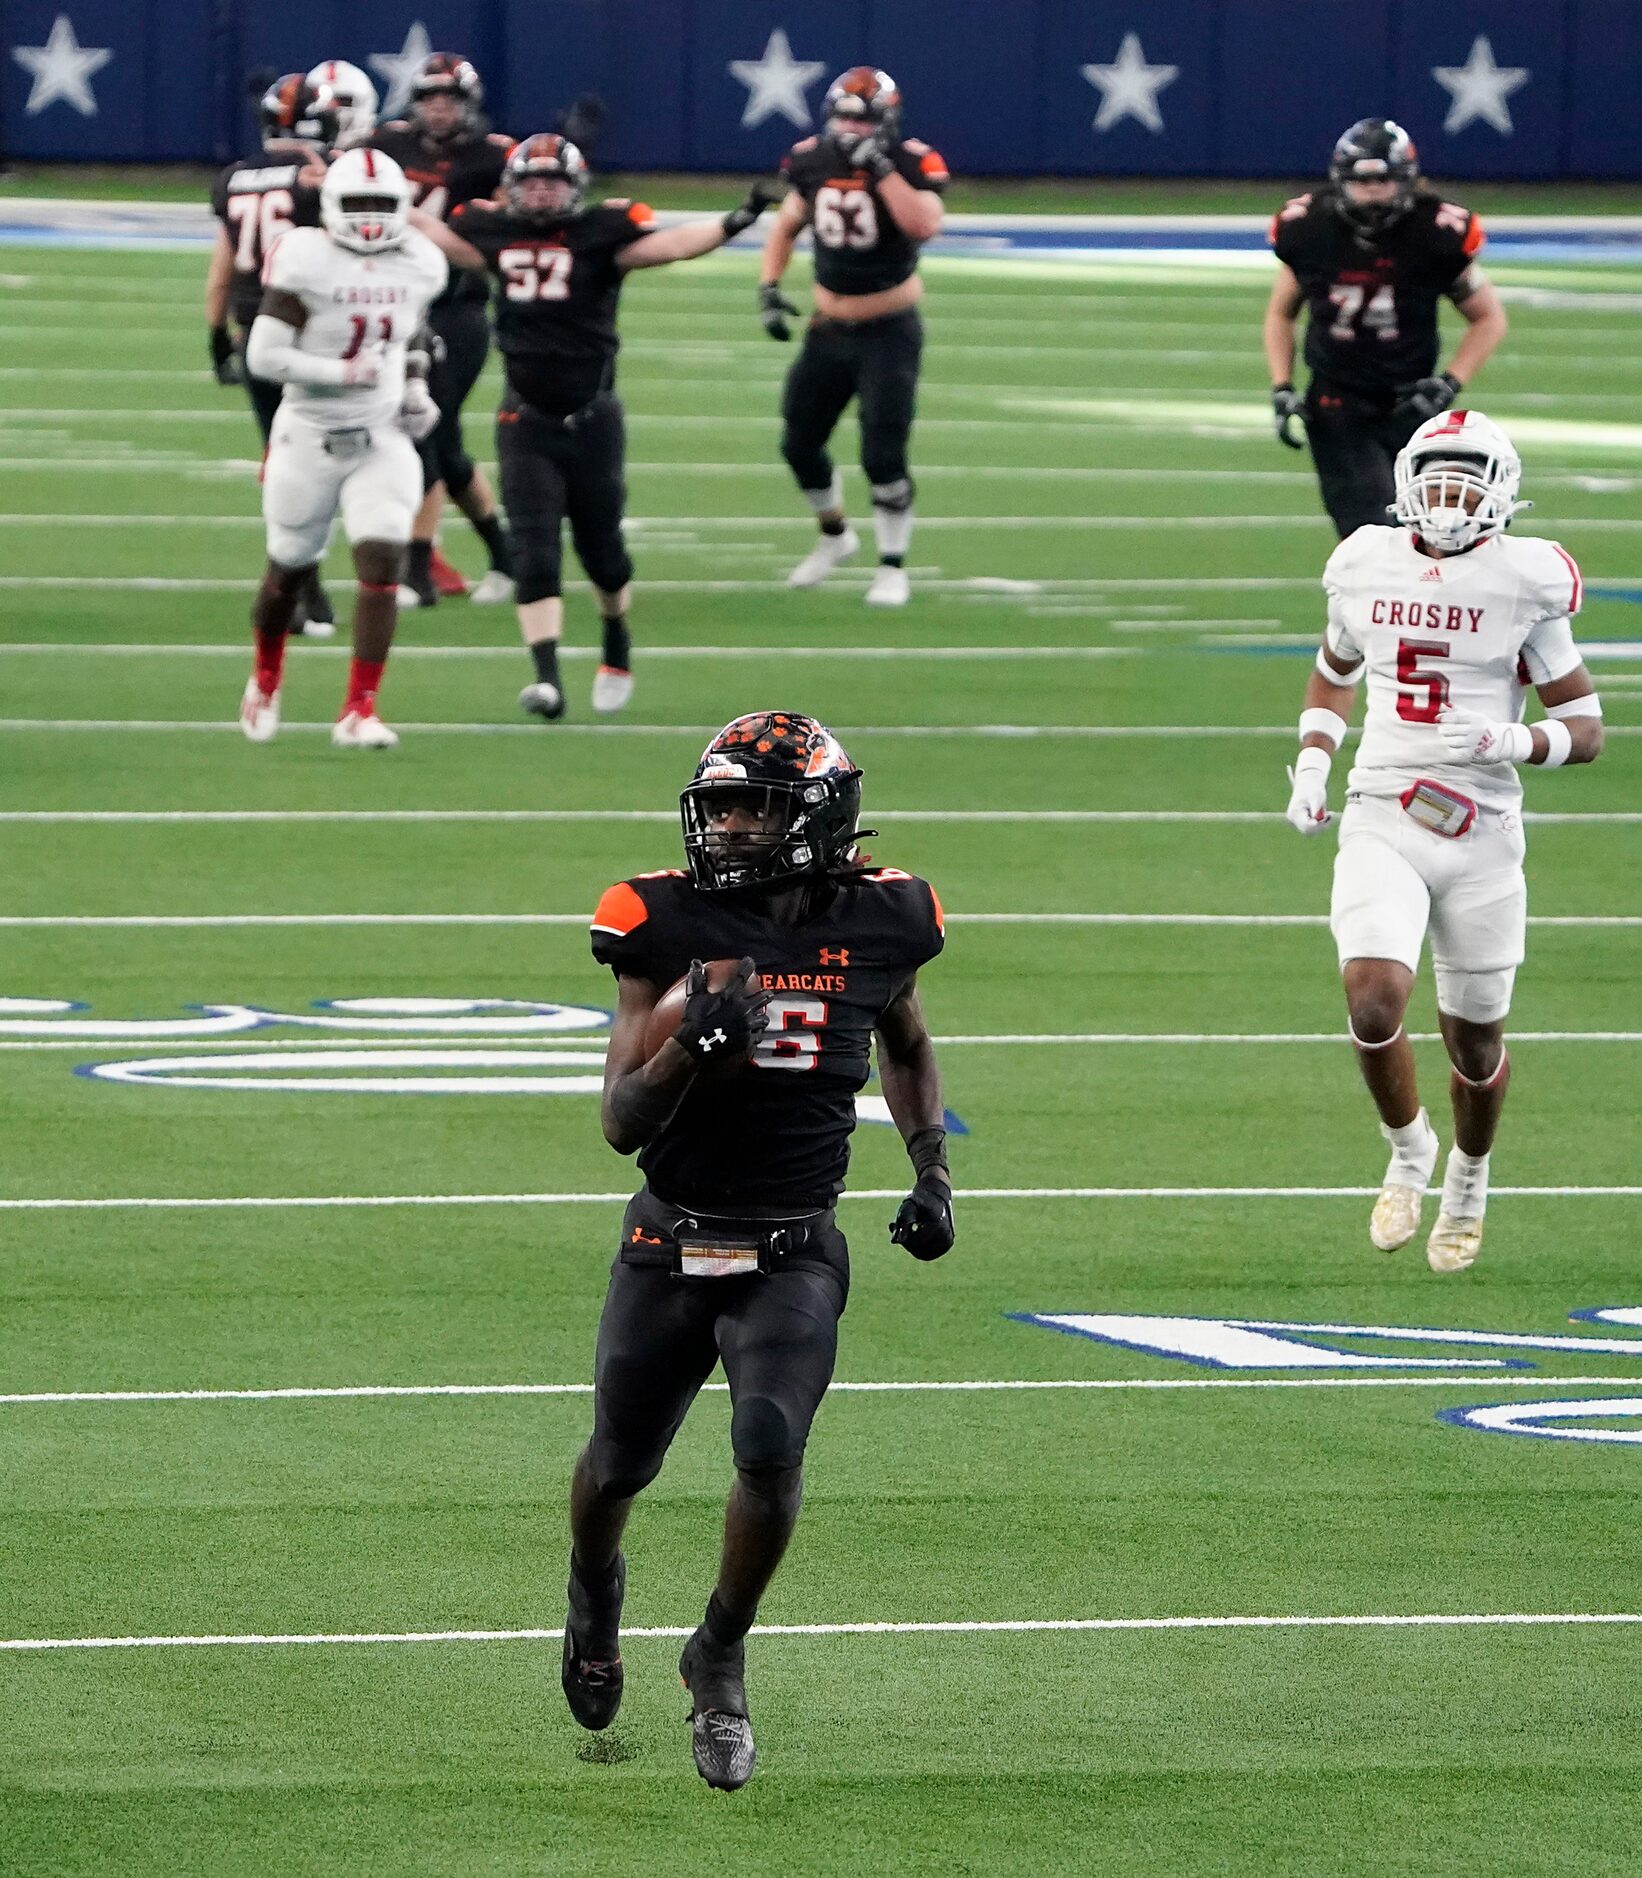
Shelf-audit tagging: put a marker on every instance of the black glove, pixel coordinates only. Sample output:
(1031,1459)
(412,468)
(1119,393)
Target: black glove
(225,360)
(765,192)
(924,1223)
(773,309)
(583,122)
(1287,408)
(722,1026)
(1426,397)
(875,155)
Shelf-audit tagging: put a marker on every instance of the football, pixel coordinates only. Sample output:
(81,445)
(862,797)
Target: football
(665,1018)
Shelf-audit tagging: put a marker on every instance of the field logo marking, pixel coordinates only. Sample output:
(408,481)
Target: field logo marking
(1244,1343)
(1541,1419)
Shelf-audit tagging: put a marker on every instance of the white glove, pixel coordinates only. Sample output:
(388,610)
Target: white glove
(1308,803)
(1474,740)
(365,367)
(418,414)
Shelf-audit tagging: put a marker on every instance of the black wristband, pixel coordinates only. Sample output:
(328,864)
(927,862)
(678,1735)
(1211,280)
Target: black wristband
(927,1152)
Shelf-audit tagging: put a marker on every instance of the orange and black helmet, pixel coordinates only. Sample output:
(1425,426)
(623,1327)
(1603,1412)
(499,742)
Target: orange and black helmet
(793,773)
(292,108)
(1374,150)
(550,158)
(867,99)
(449,75)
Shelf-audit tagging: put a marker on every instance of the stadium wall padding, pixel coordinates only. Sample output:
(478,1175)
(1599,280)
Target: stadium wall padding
(1545,88)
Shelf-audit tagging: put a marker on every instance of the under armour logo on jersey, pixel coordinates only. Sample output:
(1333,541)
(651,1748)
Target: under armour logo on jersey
(840,957)
(714,1037)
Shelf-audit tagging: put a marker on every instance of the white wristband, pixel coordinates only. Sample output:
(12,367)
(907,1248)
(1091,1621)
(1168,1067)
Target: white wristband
(1324,723)
(1311,758)
(1559,743)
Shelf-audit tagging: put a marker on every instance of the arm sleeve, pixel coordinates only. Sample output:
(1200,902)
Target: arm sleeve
(272,352)
(1549,652)
(1337,634)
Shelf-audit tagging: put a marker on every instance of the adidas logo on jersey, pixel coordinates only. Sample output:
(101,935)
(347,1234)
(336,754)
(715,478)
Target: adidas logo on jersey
(1434,572)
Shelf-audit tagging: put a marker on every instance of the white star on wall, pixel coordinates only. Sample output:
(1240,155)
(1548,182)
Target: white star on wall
(1479,88)
(398,70)
(61,68)
(776,83)
(1129,86)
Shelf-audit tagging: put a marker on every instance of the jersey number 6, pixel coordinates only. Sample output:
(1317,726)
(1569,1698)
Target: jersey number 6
(1421,696)
(791,1042)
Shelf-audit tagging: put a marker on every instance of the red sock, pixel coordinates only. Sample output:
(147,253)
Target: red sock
(364,679)
(270,660)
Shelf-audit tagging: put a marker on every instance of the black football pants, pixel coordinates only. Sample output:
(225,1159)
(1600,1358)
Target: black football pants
(660,1336)
(1354,444)
(558,469)
(876,363)
(464,326)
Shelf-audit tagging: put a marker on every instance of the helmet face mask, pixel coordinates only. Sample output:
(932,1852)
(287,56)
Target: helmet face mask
(859,103)
(446,80)
(774,801)
(364,202)
(1457,479)
(355,96)
(1373,172)
(545,158)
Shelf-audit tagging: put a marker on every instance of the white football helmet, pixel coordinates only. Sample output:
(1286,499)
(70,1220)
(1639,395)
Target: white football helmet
(355,96)
(1457,479)
(364,201)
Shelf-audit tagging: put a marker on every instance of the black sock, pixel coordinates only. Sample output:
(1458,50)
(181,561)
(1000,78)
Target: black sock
(544,655)
(723,1629)
(891,560)
(491,532)
(416,565)
(834,528)
(618,643)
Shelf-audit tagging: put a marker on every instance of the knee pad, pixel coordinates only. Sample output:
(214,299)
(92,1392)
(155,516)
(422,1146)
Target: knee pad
(537,564)
(884,456)
(619,1471)
(455,465)
(605,559)
(894,498)
(1477,997)
(807,458)
(764,1439)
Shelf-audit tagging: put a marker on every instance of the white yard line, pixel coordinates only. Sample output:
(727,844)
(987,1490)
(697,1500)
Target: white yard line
(277,1202)
(965,1627)
(50,920)
(48,1398)
(832,654)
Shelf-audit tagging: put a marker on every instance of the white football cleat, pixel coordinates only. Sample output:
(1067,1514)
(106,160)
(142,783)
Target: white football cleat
(823,558)
(1396,1215)
(409,599)
(612,689)
(890,587)
(362,730)
(1454,1243)
(259,712)
(496,589)
(314,629)
(545,701)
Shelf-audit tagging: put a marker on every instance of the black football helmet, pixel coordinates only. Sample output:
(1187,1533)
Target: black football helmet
(293,109)
(554,159)
(1374,150)
(867,99)
(449,75)
(791,771)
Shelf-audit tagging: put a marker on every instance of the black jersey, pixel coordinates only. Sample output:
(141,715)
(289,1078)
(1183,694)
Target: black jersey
(860,248)
(557,288)
(256,201)
(445,175)
(774,1134)
(1372,305)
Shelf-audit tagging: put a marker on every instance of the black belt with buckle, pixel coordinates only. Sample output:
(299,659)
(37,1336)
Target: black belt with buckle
(699,1245)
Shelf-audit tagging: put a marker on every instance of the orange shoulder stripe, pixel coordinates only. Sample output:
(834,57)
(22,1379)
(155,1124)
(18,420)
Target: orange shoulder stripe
(640,214)
(940,916)
(1474,236)
(620,910)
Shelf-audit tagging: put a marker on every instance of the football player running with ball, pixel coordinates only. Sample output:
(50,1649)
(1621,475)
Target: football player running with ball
(1370,257)
(737,1090)
(560,434)
(340,306)
(1452,620)
(873,199)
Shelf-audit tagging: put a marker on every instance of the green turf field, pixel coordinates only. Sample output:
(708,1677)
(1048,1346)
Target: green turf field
(1081,714)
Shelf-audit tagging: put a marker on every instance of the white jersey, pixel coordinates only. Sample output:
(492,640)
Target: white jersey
(354,301)
(1471,631)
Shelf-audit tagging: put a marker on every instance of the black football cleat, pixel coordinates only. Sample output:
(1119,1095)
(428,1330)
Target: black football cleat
(720,1734)
(592,1672)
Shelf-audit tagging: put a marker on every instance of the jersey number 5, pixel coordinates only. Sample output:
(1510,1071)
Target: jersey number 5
(1421,696)
(536,273)
(845,218)
(791,1041)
